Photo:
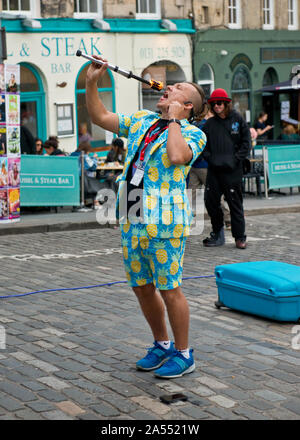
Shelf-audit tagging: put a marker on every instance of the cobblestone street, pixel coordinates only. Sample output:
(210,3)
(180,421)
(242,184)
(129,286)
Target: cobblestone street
(71,354)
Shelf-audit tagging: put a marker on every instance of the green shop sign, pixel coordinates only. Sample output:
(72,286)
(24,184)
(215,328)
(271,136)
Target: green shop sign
(283,166)
(49,181)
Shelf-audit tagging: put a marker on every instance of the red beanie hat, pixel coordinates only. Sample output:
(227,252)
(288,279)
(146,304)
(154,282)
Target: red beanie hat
(219,95)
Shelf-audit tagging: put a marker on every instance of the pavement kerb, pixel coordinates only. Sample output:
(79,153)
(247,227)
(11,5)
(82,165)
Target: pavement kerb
(18,228)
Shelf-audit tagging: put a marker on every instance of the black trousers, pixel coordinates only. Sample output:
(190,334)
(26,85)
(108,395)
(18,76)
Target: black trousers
(229,184)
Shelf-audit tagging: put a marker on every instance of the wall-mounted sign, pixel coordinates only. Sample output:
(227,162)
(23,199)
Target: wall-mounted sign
(65,119)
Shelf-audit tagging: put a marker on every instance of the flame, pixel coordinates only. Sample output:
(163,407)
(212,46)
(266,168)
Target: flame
(156,85)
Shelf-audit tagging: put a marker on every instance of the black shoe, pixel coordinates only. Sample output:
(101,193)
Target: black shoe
(241,243)
(215,239)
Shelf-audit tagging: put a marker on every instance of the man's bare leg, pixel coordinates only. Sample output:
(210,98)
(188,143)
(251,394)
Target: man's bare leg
(153,308)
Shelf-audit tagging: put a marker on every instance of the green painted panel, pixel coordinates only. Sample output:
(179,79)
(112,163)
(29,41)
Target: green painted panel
(283,166)
(49,181)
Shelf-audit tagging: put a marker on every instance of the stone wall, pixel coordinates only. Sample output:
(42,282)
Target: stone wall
(57,8)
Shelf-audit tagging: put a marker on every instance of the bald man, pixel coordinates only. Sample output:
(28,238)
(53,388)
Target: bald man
(155,221)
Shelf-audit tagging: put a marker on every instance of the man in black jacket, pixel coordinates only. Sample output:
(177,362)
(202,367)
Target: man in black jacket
(228,143)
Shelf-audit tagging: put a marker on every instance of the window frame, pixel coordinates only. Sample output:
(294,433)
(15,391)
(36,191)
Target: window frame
(237,7)
(98,14)
(294,12)
(32,12)
(149,16)
(207,82)
(268,26)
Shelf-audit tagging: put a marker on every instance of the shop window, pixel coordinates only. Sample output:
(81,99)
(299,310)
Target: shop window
(149,9)
(107,96)
(167,72)
(206,79)
(19,6)
(268,14)
(87,8)
(240,91)
(293,15)
(234,14)
(32,97)
(270,77)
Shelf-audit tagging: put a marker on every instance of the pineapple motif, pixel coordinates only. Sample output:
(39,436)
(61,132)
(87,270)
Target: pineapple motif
(174,265)
(152,230)
(128,276)
(125,248)
(177,232)
(165,160)
(175,284)
(178,174)
(152,266)
(167,217)
(165,186)
(151,198)
(134,238)
(136,126)
(165,234)
(140,114)
(175,242)
(153,171)
(186,231)
(162,277)
(135,263)
(161,253)
(141,281)
(126,227)
(144,242)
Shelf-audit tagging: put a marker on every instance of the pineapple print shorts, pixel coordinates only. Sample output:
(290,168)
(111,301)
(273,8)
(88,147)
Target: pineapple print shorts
(151,260)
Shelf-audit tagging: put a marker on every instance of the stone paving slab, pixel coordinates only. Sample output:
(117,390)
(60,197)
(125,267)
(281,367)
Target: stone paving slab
(71,354)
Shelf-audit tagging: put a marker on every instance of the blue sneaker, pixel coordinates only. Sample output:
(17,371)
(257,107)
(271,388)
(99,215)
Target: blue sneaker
(155,357)
(176,366)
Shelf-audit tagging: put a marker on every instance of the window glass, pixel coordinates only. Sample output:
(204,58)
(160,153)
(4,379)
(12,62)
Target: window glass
(103,82)
(240,90)
(29,82)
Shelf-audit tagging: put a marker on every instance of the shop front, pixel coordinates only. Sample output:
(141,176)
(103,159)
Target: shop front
(243,62)
(53,77)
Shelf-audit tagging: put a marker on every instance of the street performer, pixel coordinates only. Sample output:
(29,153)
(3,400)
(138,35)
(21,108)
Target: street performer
(161,149)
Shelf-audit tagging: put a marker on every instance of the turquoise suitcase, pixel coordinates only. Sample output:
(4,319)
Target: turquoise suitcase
(265,288)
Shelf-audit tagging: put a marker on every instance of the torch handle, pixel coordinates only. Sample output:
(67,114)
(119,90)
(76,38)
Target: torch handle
(110,66)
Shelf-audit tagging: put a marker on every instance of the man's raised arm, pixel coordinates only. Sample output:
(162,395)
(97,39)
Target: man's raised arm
(98,113)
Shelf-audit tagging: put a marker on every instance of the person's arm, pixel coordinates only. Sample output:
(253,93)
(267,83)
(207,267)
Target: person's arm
(178,150)
(261,131)
(97,111)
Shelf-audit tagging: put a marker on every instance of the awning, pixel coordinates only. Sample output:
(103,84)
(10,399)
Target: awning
(285,86)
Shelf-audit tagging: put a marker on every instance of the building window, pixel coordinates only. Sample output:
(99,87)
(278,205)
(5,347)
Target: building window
(206,79)
(268,14)
(149,9)
(87,8)
(204,16)
(293,15)
(106,91)
(234,14)
(240,91)
(166,71)
(19,6)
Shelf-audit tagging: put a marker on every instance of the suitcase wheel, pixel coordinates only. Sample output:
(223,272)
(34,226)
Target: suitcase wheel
(219,304)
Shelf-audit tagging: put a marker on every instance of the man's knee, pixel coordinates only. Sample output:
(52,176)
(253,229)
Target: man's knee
(146,290)
(170,296)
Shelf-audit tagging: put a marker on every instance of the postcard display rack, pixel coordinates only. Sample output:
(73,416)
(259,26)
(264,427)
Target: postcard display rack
(10,151)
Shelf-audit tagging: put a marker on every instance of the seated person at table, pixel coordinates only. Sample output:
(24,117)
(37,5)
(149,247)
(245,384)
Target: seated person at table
(116,155)
(117,152)
(51,147)
(91,184)
(289,133)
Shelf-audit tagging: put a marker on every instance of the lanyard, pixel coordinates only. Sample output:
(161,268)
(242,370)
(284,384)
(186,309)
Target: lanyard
(149,138)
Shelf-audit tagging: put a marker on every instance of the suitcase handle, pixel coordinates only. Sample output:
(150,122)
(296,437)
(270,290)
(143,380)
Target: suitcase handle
(272,290)
(219,273)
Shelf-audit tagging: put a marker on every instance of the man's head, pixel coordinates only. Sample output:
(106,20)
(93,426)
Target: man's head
(220,103)
(190,95)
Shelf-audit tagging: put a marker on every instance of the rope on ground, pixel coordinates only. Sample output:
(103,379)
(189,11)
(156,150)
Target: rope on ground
(87,287)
